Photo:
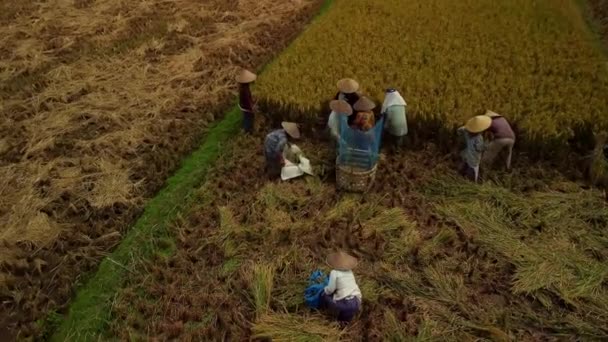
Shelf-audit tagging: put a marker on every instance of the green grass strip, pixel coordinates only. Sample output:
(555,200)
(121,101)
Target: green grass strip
(90,310)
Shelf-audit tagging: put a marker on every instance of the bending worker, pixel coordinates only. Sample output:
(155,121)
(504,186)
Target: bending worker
(246,104)
(472,132)
(338,107)
(503,137)
(342,296)
(364,117)
(275,144)
(347,91)
(393,109)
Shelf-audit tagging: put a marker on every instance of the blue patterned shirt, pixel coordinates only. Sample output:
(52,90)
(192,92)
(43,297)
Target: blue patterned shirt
(475,146)
(274,144)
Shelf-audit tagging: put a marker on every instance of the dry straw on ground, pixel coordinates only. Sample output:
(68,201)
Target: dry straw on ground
(534,61)
(99,100)
(450,260)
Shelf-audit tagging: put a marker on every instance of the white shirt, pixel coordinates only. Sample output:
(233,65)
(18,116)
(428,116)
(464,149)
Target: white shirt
(334,125)
(342,284)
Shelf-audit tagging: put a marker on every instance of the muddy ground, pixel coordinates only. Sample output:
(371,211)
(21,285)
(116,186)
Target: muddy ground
(599,10)
(99,101)
(422,273)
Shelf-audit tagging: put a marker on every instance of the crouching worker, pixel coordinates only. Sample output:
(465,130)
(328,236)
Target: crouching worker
(473,136)
(275,144)
(341,296)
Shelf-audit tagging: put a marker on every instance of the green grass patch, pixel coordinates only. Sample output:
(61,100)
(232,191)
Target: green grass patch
(89,312)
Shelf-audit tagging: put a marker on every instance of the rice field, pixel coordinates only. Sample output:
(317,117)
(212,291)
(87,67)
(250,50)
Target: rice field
(536,62)
(522,257)
(99,102)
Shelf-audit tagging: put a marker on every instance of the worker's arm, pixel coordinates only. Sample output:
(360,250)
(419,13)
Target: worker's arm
(331,286)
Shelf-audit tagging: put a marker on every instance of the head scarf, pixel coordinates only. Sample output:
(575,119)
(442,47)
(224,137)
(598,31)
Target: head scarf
(392,98)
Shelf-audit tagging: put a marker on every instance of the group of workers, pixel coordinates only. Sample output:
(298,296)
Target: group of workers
(359,111)
(342,296)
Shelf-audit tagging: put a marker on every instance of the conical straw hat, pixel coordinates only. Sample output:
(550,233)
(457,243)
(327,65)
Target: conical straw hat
(341,107)
(492,114)
(246,76)
(342,261)
(364,104)
(478,123)
(291,129)
(348,85)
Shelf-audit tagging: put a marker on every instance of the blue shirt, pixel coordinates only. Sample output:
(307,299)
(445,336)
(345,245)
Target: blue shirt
(274,144)
(474,147)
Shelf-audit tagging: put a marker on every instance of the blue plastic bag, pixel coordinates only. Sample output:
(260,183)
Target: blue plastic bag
(316,285)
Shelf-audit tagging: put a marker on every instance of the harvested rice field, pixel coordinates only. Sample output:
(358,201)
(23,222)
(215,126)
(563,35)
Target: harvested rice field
(99,101)
(521,257)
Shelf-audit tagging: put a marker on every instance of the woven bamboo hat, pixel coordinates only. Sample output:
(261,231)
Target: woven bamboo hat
(348,85)
(341,107)
(478,123)
(364,104)
(246,76)
(342,261)
(492,114)
(291,129)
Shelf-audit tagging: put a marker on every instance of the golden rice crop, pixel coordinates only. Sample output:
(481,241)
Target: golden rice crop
(537,62)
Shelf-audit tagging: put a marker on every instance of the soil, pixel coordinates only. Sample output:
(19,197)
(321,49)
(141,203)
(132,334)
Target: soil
(99,101)
(600,12)
(201,292)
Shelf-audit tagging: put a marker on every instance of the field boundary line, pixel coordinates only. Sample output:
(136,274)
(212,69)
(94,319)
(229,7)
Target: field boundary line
(89,310)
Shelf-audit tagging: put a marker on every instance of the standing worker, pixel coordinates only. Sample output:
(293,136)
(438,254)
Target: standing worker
(246,104)
(394,111)
(503,137)
(342,296)
(275,144)
(338,107)
(471,155)
(347,91)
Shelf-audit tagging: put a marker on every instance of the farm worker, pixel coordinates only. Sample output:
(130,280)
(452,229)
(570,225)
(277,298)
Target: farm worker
(246,104)
(503,137)
(393,110)
(342,296)
(274,145)
(348,91)
(338,107)
(364,119)
(471,155)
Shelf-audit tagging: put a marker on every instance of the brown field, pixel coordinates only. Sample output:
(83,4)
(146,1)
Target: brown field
(518,258)
(599,10)
(99,101)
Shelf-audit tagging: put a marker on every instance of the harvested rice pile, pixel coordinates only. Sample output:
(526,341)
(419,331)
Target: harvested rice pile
(441,258)
(99,100)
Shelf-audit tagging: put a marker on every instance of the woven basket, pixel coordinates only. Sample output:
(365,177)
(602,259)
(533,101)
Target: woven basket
(355,179)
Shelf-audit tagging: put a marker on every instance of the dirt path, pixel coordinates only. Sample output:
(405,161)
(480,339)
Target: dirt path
(99,101)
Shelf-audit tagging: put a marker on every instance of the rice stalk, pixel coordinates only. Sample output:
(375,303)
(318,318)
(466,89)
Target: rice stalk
(386,222)
(261,285)
(286,327)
